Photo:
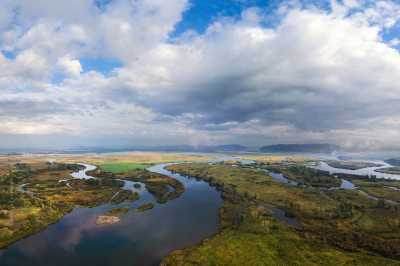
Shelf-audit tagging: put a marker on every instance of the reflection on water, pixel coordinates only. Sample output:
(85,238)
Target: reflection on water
(82,173)
(281,178)
(139,239)
(130,185)
(347,185)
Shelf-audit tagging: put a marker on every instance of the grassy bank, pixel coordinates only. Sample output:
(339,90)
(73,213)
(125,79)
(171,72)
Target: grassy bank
(337,227)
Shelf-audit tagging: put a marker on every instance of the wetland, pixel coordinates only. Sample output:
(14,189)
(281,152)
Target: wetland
(177,209)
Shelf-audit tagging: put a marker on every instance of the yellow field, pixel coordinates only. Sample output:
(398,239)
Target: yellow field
(266,158)
(39,161)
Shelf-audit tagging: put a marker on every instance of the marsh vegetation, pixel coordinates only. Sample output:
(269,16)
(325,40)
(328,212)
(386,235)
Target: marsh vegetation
(310,221)
(145,207)
(337,227)
(36,194)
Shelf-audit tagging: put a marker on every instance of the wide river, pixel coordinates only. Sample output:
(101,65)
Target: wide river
(139,239)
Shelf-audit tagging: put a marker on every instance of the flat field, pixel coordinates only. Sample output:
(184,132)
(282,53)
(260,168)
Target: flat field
(121,167)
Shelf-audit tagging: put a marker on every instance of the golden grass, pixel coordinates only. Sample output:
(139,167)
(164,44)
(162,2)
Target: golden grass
(274,158)
(343,218)
(52,175)
(38,161)
(18,215)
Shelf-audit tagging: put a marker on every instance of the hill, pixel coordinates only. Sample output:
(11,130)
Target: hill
(307,148)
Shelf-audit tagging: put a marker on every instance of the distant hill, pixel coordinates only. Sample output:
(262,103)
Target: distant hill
(189,148)
(231,148)
(306,148)
(393,161)
(170,148)
(204,148)
(201,148)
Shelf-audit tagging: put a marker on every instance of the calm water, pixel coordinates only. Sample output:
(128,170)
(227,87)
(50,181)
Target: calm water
(347,185)
(139,239)
(82,173)
(281,178)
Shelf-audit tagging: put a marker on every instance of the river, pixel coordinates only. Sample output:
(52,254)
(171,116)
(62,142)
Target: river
(139,239)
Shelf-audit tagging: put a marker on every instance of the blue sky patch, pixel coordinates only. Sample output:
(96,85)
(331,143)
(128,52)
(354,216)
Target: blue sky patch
(9,55)
(202,12)
(102,4)
(101,65)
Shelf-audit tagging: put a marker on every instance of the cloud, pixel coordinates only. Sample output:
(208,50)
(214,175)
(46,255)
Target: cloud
(287,70)
(394,42)
(313,75)
(70,67)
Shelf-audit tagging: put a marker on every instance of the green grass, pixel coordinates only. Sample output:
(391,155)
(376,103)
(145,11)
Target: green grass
(330,219)
(117,168)
(262,241)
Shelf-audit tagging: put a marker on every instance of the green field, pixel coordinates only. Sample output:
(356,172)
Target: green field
(121,167)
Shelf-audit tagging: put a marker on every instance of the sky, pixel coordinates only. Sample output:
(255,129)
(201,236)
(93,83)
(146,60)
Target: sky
(117,73)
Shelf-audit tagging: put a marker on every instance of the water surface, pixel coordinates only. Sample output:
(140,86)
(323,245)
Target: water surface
(347,185)
(82,173)
(139,239)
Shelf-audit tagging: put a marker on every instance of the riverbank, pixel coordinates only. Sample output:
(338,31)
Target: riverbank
(331,224)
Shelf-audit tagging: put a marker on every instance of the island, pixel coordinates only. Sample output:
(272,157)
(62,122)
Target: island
(112,216)
(145,207)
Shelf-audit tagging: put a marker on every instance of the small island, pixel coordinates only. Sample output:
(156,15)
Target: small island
(145,207)
(112,216)
(102,220)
